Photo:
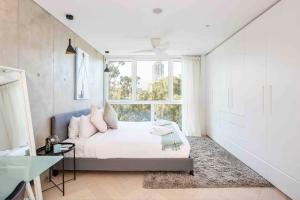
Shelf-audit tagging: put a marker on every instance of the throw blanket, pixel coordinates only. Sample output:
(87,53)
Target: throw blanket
(172,140)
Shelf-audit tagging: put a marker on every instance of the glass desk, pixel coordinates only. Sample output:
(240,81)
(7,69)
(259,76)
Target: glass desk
(14,169)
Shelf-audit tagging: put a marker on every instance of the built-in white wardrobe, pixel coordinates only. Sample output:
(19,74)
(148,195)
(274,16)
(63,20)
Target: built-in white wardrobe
(253,95)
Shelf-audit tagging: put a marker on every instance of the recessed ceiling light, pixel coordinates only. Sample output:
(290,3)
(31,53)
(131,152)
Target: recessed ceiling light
(157,11)
(69,16)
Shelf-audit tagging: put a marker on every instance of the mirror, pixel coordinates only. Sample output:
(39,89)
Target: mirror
(16,132)
(13,130)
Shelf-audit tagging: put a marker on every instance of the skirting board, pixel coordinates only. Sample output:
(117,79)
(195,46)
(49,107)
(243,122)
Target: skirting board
(130,164)
(282,181)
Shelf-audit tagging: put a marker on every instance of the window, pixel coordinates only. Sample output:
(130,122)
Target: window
(152,80)
(170,112)
(144,90)
(120,80)
(177,66)
(133,112)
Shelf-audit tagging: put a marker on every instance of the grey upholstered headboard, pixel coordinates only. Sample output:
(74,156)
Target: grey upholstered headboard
(60,123)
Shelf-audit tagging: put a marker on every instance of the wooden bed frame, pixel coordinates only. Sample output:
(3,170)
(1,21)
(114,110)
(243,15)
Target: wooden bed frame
(59,127)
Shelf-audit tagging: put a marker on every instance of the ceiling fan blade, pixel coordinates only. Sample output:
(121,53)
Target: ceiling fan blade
(158,48)
(161,54)
(143,51)
(165,45)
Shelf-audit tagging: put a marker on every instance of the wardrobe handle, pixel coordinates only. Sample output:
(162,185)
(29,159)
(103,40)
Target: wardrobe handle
(228,97)
(212,96)
(263,99)
(271,99)
(232,97)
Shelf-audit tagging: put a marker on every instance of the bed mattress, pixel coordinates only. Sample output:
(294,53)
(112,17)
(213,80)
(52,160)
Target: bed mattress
(130,140)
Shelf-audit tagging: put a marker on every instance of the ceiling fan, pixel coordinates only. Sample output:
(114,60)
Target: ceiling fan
(158,48)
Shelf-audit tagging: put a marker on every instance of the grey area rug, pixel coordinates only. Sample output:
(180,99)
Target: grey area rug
(213,167)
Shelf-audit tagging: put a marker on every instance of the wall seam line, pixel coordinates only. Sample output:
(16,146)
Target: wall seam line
(18,36)
(53,70)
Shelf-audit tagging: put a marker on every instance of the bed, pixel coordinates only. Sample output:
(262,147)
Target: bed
(129,148)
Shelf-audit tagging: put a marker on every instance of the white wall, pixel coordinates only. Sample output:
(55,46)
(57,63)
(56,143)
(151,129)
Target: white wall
(253,96)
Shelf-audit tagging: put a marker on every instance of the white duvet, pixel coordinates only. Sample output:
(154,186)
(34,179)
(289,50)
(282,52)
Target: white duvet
(130,140)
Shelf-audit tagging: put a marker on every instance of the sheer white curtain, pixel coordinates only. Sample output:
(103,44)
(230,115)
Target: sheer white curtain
(191,95)
(12,116)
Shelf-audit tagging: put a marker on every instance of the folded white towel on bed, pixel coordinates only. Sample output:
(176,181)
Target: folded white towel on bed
(162,122)
(159,130)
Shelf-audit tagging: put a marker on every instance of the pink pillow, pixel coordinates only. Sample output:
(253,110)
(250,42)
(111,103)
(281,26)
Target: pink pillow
(97,119)
(86,128)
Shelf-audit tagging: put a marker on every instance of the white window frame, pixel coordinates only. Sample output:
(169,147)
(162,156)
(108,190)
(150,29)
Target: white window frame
(169,101)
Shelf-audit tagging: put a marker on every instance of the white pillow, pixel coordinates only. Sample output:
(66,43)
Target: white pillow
(73,129)
(110,116)
(86,128)
(97,119)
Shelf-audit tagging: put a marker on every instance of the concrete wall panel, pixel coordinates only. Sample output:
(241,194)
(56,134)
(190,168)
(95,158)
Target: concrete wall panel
(36,58)
(9,33)
(33,40)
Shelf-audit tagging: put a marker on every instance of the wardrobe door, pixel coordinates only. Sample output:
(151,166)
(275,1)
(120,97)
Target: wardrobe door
(283,75)
(237,75)
(255,44)
(223,77)
(212,98)
(209,93)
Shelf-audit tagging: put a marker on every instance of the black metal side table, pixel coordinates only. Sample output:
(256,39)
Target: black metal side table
(41,152)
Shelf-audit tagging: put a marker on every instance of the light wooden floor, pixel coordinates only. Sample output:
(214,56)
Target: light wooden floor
(128,186)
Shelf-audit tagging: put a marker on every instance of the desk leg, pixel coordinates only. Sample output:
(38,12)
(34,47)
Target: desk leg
(74,167)
(63,175)
(29,191)
(38,189)
(49,174)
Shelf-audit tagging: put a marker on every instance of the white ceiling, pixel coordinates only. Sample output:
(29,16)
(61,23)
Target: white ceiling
(124,26)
